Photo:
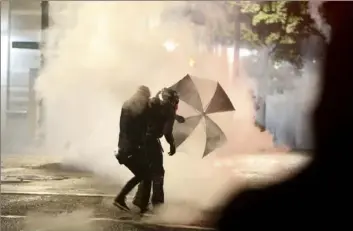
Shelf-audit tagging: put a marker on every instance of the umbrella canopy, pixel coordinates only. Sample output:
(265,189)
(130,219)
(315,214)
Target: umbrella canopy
(220,102)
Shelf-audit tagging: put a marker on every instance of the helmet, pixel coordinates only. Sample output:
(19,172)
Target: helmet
(169,95)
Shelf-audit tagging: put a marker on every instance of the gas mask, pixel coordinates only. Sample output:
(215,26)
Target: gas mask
(170,96)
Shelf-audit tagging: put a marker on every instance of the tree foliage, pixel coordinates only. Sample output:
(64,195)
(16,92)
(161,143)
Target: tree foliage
(282,26)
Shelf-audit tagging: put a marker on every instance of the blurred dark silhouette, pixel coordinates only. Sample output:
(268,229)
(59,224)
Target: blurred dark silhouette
(320,197)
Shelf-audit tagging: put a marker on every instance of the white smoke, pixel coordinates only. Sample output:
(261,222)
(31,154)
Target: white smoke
(314,10)
(75,221)
(98,53)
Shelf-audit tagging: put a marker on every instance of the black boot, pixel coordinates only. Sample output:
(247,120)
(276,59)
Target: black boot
(120,199)
(121,204)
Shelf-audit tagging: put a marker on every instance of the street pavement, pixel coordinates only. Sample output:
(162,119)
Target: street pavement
(32,212)
(38,193)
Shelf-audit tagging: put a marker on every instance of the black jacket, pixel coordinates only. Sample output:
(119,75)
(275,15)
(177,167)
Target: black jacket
(133,127)
(161,120)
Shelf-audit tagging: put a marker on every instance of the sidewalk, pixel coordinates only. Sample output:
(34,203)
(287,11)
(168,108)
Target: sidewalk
(48,184)
(39,184)
(45,174)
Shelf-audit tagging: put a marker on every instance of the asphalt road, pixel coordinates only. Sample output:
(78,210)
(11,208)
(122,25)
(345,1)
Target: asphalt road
(34,212)
(33,197)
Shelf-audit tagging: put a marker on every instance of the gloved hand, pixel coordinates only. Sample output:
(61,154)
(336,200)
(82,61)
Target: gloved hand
(180,119)
(116,152)
(120,155)
(172,149)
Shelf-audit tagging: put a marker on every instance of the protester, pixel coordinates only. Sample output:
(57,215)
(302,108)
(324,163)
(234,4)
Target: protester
(162,113)
(131,152)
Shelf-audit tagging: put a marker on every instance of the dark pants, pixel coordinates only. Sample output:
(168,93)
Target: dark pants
(155,155)
(139,166)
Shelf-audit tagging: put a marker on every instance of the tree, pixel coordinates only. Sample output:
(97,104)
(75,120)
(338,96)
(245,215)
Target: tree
(283,26)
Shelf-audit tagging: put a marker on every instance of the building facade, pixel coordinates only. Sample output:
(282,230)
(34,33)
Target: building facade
(21,34)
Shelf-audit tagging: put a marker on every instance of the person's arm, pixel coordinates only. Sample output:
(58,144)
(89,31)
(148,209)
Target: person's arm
(124,128)
(123,144)
(180,119)
(168,133)
(124,120)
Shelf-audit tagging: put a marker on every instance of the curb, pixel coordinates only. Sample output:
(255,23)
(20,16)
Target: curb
(185,227)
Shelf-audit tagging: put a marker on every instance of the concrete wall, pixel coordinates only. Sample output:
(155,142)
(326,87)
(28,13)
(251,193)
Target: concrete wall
(16,116)
(3,112)
(4,54)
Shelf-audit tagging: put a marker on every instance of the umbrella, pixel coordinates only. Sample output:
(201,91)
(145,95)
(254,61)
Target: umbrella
(219,102)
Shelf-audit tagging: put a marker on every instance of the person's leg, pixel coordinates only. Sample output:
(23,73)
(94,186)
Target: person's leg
(135,168)
(120,199)
(143,195)
(158,182)
(158,190)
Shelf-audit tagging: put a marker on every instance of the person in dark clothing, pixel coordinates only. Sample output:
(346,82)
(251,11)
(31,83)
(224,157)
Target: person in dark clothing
(131,151)
(162,113)
(320,196)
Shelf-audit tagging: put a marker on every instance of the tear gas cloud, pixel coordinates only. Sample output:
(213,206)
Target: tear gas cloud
(289,114)
(314,10)
(75,221)
(98,53)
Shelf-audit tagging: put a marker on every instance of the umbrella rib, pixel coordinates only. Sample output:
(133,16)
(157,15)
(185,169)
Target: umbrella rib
(188,92)
(220,138)
(183,131)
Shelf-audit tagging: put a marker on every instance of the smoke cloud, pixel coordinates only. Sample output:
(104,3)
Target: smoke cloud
(75,221)
(98,53)
(314,10)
